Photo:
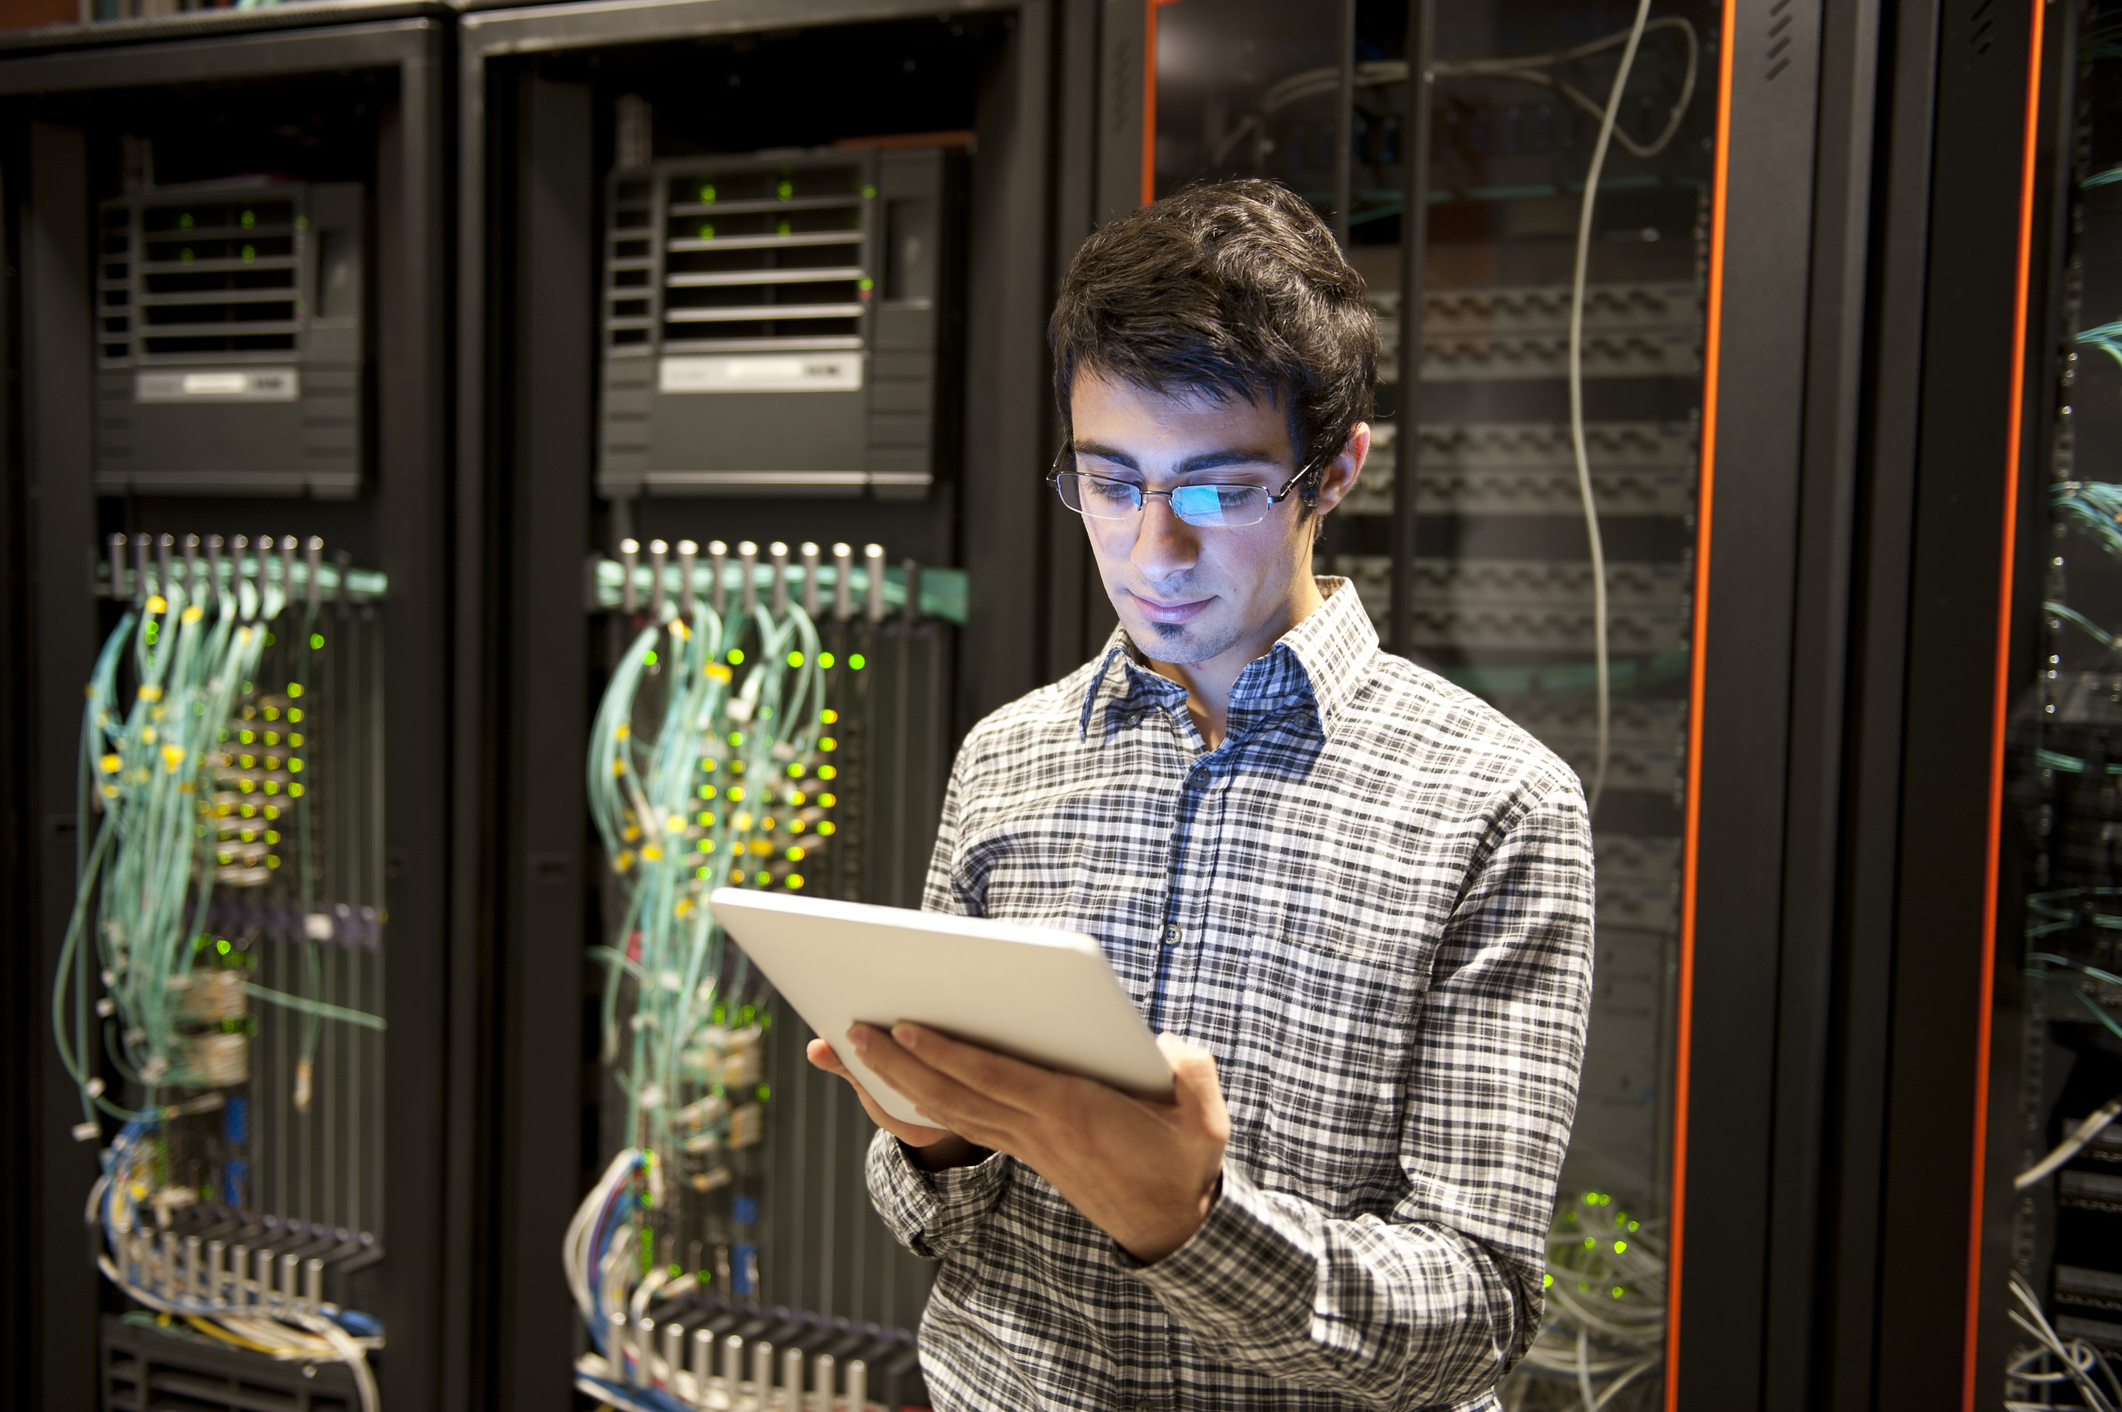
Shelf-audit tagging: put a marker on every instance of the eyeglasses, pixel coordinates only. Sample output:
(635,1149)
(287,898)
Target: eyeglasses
(1206,506)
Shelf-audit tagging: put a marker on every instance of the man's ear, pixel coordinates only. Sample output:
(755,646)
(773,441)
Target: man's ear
(1339,476)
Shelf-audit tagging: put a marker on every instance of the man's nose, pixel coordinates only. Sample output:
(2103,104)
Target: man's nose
(1165,545)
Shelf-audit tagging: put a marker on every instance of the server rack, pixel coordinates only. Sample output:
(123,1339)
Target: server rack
(372,80)
(1742,571)
(2000,875)
(562,104)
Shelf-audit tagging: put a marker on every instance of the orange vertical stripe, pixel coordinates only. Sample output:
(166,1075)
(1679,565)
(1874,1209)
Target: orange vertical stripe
(1149,99)
(2002,703)
(1705,498)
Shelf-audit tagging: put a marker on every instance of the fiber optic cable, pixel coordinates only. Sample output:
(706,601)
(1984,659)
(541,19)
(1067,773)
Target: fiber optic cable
(1600,647)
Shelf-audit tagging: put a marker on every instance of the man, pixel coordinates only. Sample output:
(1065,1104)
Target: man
(1356,901)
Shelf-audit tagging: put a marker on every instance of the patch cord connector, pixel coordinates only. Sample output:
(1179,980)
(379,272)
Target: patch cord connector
(666,1368)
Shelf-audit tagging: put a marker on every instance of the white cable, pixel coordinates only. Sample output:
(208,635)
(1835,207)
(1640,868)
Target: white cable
(2071,1146)
(1604,664)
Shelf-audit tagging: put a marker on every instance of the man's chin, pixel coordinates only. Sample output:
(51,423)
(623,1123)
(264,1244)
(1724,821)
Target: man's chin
(1177,644)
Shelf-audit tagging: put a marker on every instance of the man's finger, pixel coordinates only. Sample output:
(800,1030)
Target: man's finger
(943,1099)
(983,1071)
(825,1057)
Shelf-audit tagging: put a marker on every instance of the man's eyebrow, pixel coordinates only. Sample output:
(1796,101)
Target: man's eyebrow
(1203,461)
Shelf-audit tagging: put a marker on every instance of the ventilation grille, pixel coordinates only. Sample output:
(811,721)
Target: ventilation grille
(193,280)
(720,260)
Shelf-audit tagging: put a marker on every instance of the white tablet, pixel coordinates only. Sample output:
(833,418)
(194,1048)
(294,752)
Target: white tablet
(1037,993)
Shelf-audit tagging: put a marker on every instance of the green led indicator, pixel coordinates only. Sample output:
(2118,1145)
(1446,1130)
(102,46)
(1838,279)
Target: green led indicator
(302,223)
(184,256)
(649,657)
(222,946)
(736,656)
(795,659)
(764,1093)
(781,227)
(855,661)
(785,190)
(184,222)
(316,640)
(707,232)
(869,193)
(250,252)
(868,283)
(249,219)
(707,194)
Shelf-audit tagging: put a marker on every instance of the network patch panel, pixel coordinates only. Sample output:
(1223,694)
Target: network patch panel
(1529,605)
(1528,468)
(1630,330)
(1647,752)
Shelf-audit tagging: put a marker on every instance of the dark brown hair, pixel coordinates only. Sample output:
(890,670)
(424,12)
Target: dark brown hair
(1224,289)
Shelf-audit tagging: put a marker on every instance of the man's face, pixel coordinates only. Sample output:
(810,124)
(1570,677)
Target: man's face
(1189,594)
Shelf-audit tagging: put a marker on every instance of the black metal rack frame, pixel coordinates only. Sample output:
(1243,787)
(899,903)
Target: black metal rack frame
(1058,144)
(49,91)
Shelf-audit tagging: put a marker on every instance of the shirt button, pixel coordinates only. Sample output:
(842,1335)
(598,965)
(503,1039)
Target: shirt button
(1171,936)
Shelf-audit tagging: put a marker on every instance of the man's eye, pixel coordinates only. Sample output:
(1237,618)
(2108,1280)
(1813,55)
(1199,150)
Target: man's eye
(1117,492)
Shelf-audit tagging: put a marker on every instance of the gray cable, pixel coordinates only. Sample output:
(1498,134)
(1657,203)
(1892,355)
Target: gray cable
(1604,663)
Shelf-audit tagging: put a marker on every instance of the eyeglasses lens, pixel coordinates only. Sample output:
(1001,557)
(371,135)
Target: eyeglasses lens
(1208,506)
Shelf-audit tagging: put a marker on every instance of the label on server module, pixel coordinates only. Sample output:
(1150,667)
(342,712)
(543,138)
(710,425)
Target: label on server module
(761,372)
(219,385)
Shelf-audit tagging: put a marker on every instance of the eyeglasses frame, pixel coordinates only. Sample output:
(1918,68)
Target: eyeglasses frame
(1143,497)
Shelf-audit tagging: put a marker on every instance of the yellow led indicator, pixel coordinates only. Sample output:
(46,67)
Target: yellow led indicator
(795,879)
(827,772)
(825,659)
(828,744)
(795,659)
(829,715)
(828,800)
(294,688)
(736,659)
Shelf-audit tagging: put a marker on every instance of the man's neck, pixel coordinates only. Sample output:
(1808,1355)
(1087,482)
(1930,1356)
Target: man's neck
(1208,683)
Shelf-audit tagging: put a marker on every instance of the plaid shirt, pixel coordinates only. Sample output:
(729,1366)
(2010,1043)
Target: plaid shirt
(1373,905)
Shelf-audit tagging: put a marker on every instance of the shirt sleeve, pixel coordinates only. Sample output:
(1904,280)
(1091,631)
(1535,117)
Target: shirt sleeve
(1435,1302)
(933,1214)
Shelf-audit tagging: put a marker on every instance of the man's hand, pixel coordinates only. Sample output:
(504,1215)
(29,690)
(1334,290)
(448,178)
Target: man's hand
(1142,1170)
(933,1148)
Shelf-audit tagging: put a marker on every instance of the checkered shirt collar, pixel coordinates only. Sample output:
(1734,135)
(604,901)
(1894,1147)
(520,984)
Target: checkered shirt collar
(1322,662)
